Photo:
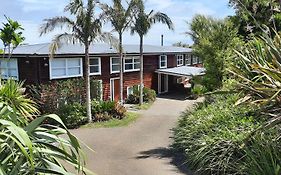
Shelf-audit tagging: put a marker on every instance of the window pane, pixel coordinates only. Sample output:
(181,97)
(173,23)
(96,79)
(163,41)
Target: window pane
(130,91)
(94,69)
(58,63)
(163,64)
(137,60)
(73,62)
(137,65)
(12,72)
(115,60)
(94,61)
(115,68)
(58,72)
(128,66)
(128,60)
(12,63)
(74,71)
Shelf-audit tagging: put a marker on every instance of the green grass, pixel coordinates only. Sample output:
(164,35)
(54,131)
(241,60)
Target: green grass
(144,106)
(131,117)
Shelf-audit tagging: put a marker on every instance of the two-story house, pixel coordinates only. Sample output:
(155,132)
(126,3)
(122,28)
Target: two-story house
(164,66)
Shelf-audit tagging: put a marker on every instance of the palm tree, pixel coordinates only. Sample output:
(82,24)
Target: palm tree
(11,35)
(142,24)
(85,29)
(120,18)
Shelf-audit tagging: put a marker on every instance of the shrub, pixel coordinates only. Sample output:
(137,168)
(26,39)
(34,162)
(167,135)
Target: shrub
(212,136)
(106,110)
(198,90)
(149,95)
(73,115)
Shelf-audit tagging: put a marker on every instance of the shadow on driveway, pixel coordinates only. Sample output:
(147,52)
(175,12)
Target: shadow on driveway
(177,158)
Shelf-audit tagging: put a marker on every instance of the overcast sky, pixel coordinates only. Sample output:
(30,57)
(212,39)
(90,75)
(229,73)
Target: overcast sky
(30,14)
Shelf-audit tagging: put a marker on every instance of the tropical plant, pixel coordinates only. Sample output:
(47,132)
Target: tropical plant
(251,15)
(37,148)
(120,18)
(85,29)
(142,24)
(12,94)
(11,35)
(258,70)
(214,41)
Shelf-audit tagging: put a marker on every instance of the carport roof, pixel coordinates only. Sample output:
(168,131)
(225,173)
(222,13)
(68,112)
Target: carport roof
(182,71)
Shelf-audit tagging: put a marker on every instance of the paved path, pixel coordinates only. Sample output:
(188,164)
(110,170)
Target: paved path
(140,149)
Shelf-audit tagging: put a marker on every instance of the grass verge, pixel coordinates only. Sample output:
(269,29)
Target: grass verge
(144,106)
(131,117)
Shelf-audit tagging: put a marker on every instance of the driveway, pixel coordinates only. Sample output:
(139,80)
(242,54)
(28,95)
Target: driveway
(141,148)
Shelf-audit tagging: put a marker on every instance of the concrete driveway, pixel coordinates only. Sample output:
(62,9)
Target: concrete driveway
(140,149)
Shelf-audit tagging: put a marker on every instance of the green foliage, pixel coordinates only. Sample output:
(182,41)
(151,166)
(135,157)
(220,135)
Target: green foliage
(12,94)
(212,136)
(214,41)
(37,148)
(198,90)
(11,35)
(72,115)
(263,154)
(258,72)
(251,15)
(149,95)
(106,110)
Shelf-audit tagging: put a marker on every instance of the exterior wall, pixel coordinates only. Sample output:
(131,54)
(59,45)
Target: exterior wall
(35,70)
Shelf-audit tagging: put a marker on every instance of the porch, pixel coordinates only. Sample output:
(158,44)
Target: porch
(177,79)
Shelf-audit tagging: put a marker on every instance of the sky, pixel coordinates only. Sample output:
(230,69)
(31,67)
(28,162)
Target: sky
(31,13)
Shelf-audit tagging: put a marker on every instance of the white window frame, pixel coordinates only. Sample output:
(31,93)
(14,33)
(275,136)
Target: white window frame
(188,57)
(111,71)
(160,61)
(134,69)
(66,68)
(180,58)
(6,60)
(195,60)
(128,87)
(95,73)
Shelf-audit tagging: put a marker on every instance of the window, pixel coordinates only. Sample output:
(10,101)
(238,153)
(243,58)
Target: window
(131,89)
(200,60)
(115,65)
(65,68)
(195,60)
(9,68)
(163,61)
(188,59)
(95,66)
(132,64)
(179,60)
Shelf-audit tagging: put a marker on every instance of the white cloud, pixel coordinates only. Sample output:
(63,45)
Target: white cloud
(42,5)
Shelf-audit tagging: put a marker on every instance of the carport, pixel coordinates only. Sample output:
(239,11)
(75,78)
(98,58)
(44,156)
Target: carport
(171,77)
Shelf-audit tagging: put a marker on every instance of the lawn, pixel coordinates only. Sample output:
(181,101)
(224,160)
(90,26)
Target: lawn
(130,118)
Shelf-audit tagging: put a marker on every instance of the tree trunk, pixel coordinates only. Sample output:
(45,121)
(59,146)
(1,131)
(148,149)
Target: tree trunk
(87,82)
(141,70)
(121,67)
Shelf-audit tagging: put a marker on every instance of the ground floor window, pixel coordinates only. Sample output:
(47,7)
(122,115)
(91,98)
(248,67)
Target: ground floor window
(9,68)
(96,89)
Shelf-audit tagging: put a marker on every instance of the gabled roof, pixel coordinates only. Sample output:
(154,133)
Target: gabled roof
(43,49)
(182,71)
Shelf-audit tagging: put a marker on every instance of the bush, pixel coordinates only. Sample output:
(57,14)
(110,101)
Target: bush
(212,136)
(198,90)
(106,110)
(149,95)
(73,115)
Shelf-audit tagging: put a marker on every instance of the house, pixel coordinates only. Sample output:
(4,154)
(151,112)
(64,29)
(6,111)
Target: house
(165,67)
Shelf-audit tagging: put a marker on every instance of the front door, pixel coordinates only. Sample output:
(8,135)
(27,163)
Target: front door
(115,89)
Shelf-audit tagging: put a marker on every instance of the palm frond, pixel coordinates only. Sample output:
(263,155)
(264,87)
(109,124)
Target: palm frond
(162,18)
(56,22)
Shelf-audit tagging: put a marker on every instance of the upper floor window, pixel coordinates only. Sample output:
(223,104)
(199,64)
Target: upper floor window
(114,65)
(132,64)
(188,59)
(65,68)
(95,66)
(179,60)
(195,60)
(163,61)
(9,68)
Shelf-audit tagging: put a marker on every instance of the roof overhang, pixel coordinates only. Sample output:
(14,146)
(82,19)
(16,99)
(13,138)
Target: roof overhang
(183,71)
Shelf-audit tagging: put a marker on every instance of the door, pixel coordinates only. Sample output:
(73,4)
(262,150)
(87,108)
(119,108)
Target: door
(163,82)
(115,89)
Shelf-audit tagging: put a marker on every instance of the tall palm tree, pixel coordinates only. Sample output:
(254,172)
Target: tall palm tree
(120,18)
(142,24)
(85,29)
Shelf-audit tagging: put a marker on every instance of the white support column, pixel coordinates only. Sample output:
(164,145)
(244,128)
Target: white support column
(159,83)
